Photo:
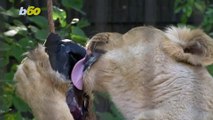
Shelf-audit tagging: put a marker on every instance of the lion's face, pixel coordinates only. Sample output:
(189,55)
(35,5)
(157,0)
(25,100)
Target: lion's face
(143,50)
(145,67)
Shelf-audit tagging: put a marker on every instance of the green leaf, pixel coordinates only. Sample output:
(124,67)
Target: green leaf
(78,31)
(13,116)
(16,51)
(12,1)
(12,12)
(9,77)
(106,116)
(184,19)
(79,39)
(59,14)
(10,33)
(4,61)
(18,23)
(41,34)
(40,21)
(178,9)
(26,43)
(188,11)
(83,23)
(33,28)
(8,88)
(74,4)
(20,105)
(200,6)
(15,30)
(5,102)
(65,33)
(4,47)
(117,113)
(190,2)
(210,69)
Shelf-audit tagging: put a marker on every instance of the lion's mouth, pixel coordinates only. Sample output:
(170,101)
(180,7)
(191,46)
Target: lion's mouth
(77,99)
(82,65)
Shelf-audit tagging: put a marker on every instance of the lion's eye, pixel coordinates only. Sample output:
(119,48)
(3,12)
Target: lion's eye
(92,58)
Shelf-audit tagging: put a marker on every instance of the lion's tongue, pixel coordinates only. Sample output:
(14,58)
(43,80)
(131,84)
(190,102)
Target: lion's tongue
(77,74)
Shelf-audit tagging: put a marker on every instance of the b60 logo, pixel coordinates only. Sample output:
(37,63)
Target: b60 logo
(31,10)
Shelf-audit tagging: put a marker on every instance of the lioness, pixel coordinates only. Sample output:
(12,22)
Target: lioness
(149,74)
(156,75)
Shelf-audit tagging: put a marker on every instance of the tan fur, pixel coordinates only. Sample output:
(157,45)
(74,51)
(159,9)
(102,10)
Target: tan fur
(183,37)
(41,87)
(150,77)
(149,74)
(104,41)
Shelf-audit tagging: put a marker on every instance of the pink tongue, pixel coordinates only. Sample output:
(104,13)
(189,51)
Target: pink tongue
(77,74)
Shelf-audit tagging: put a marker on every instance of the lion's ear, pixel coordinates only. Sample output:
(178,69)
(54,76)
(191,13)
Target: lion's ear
(190,46)
(103,41)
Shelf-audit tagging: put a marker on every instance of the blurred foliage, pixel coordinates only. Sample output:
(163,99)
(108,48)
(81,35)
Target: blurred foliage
(23,33)
(106,109)
(186,8)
